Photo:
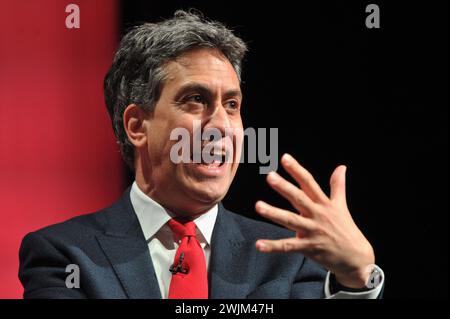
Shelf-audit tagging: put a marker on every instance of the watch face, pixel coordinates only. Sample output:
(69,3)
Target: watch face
(375,278)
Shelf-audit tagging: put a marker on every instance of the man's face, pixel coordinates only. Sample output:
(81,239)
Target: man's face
(201,86)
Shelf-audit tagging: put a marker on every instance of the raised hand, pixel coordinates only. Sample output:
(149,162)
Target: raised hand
(325,230)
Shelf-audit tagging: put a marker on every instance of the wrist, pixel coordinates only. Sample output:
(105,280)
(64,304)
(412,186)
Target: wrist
(356,279)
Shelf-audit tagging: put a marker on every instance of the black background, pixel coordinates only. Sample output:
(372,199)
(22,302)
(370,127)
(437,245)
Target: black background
(375,100)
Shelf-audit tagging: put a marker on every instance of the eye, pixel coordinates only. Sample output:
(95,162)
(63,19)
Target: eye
(233,104)
(197,98)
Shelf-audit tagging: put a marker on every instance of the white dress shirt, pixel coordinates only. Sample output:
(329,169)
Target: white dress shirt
(163,245)
(161,242)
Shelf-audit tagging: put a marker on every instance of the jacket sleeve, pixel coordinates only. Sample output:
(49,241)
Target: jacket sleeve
(309,282)
(42,270)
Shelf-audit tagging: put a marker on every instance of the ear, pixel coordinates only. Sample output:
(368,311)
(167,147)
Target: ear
(135,124)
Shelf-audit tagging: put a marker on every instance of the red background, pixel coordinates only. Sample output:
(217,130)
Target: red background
(58,156)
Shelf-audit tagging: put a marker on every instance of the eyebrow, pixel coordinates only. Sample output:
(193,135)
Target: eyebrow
(205,90)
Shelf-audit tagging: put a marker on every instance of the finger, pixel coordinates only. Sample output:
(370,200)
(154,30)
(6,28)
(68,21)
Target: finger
(287,245)
(303,178)
(337,185)
(283,217)
(292,193)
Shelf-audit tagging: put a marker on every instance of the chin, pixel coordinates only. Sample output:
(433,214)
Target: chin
(208,192)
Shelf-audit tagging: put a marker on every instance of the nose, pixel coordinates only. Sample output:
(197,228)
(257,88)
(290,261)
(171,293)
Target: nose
(217,118)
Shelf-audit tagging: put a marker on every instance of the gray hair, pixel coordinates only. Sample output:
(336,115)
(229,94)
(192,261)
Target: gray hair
(137,73)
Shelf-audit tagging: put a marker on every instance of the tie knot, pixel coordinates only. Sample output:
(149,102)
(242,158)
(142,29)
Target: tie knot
(182,228)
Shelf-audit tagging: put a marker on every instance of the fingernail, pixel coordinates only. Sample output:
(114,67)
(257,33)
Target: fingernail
(261,207)
(287,159)
(261,245)
(272,177)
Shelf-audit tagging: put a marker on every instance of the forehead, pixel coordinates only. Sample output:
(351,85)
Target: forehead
(205,66)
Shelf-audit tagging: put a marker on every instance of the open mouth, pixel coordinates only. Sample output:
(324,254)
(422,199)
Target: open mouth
(209,159)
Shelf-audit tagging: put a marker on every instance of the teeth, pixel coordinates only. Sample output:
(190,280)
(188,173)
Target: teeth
(216,153)
(217,157)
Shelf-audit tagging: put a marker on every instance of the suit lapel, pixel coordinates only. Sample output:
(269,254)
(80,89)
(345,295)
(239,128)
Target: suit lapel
(125,246)
(231,258)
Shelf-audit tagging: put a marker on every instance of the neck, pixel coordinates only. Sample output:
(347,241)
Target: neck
(181,204)
(187,209)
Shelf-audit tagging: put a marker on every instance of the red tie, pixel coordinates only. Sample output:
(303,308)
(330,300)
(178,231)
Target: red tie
(189,278)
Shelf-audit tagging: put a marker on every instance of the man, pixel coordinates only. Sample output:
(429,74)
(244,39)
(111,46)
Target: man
(169,236)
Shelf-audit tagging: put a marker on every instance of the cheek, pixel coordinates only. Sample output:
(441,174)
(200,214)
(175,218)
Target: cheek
(159,144)
(238,140)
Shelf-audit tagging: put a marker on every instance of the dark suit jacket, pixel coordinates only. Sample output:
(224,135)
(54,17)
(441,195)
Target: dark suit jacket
(114,260)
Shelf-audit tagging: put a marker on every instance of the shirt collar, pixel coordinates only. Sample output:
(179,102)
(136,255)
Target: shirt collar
(152,216)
